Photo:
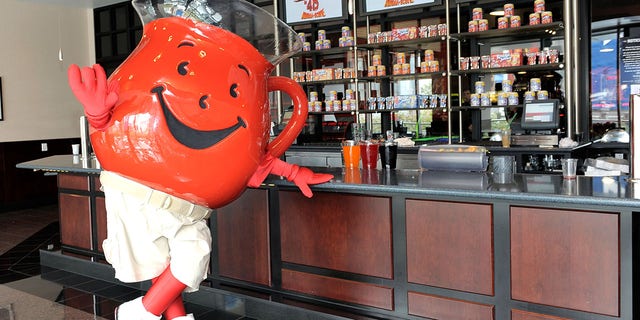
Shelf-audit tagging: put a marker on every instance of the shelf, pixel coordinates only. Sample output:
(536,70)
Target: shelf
(520,32)
(408,44)
(527,68)
(325,82)
(335,50)
(483,108)
(404,76)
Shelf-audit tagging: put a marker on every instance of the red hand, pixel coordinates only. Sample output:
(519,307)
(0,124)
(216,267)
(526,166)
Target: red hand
(89,85)
(301,176)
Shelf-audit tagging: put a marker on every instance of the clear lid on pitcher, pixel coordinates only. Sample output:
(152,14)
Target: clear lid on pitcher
(271,36)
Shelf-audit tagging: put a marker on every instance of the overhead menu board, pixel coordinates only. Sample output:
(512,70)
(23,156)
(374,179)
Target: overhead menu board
(308,11)
(378,6)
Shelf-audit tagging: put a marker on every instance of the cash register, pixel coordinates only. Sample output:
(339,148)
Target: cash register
(539,124)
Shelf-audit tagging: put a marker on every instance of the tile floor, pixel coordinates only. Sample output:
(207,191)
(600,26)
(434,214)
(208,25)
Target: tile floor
(29,291)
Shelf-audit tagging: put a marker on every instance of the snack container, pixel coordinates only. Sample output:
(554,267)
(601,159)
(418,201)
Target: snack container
(453,158)
(513,99)
(473,26)
(464,63)
(474,63)
(424,66)
(534,18)
(483,25)
(376,61)
(485,61)
(381,70)
(535,84)
(515,21)
(346,31)
(553,56)
(397,69)
(503,23)
(479,87)
(503,98)
(475,100)
(507,85)
(306,46)
(476,14)
(322,34)
(508,9)
(434,66)
(371,72)
(485,100)
(529,96)
(428,55)
(546,17)
(538,6)
(543,95)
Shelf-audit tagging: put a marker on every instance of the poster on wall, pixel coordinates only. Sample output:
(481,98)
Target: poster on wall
(307,11)
(629,55)
(378,6)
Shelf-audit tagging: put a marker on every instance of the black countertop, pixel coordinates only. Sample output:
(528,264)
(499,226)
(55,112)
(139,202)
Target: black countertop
(596,191)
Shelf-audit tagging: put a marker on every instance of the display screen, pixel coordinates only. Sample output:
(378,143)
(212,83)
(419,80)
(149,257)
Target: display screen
(540,115)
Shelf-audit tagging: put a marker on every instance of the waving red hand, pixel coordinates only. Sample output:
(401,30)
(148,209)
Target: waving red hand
(98,98)
(301,176)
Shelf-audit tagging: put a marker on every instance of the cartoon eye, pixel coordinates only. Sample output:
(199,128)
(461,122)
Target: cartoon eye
(182,68)
(234,90)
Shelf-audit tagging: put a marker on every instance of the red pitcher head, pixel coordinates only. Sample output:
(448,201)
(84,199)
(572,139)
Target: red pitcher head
(193,116)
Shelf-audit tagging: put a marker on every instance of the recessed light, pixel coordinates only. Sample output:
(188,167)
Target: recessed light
(497,12)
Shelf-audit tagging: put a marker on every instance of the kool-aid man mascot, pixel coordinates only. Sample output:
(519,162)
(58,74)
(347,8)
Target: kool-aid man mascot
(181,127)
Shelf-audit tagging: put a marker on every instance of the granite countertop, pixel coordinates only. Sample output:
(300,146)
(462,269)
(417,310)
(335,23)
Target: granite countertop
(549,188)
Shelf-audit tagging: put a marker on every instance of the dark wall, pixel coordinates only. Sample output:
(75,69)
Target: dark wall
(21,188)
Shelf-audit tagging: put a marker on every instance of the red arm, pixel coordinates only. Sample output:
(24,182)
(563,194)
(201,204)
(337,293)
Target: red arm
(301,176)
(98,98)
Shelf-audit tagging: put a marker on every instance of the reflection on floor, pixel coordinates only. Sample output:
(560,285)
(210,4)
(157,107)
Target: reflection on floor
(29,291)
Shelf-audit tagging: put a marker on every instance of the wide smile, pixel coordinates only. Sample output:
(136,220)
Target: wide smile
(193,138)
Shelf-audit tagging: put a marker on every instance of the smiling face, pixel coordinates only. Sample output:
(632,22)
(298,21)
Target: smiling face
(193,118)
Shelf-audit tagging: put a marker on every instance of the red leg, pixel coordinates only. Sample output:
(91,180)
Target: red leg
(163,293)
(176,309)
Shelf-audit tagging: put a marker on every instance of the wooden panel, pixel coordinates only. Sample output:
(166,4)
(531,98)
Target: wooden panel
(75,220)
(96,183)
(101,221)
(339,289)
(73,181)
(435,307)
(526,315)
(450,245)
(243,238)
(343,232)
(568,259)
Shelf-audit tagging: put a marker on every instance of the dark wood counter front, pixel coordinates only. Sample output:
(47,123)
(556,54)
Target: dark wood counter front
(411,244)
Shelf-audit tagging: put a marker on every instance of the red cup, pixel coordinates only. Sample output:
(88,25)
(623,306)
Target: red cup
(369,154)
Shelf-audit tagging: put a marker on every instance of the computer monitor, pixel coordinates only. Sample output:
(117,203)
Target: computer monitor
(540,115)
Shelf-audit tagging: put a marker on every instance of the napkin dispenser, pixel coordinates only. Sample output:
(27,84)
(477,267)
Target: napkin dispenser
(453,158)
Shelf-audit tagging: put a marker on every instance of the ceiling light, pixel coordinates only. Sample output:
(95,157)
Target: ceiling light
(606,50)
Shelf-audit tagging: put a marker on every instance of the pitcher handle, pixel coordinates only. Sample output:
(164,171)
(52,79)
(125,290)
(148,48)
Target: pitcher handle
(281,143)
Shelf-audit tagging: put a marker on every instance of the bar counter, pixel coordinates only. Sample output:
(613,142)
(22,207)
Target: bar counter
(409,244)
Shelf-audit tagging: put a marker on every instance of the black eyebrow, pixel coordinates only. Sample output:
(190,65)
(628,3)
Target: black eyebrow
(186,43)
(245,69)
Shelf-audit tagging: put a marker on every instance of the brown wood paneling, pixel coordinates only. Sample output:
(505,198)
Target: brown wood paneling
(243,238)
(450,245)
(101,221)
(526,315)
(339,289)
(73,181)
(436,307)
(568,259)
(96,183)
(343,232)
(75,220)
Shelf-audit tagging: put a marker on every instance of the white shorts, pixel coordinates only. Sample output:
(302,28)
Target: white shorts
(143,239)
